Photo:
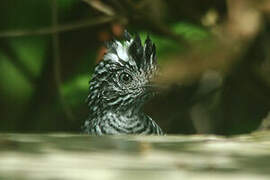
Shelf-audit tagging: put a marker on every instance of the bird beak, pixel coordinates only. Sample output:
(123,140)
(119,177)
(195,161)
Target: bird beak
(153,88)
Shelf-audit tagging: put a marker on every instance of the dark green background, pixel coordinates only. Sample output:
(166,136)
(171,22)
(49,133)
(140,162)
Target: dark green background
(32,101)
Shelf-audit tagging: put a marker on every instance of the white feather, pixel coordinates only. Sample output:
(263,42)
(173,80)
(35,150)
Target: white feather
(122,51)
(110,56)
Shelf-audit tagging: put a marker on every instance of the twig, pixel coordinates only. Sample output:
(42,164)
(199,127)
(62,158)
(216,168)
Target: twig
(57,28)
(100,6)
(56,64)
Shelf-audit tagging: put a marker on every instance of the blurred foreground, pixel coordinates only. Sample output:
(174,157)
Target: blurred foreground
(197,157)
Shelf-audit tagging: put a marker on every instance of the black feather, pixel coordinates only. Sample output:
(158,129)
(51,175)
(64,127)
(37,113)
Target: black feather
(154,54)
(136,50)
(148,48)
(127,36)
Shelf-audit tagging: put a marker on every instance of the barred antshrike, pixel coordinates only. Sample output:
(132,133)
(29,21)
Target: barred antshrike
(120,86)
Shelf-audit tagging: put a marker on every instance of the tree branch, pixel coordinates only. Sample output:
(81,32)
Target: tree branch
(58,28)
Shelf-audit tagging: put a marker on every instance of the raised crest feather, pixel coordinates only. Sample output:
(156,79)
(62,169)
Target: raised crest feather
(136,50)
(132,51)
(127,36)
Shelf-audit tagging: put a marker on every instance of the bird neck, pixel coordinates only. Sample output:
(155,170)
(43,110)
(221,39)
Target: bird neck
(99,108)
(124,112)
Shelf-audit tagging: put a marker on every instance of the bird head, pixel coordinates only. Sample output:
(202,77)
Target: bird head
(122,79)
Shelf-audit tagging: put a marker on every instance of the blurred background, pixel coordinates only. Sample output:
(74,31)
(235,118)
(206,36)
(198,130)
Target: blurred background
(214,57)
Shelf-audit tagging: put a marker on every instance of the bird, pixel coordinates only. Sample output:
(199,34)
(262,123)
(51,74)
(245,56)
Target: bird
(120,86)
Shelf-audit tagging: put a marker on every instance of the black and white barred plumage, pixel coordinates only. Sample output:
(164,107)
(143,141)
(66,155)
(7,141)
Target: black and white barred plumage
(120,86)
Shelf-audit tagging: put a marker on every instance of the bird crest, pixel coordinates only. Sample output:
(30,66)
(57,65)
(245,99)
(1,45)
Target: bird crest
(132,51)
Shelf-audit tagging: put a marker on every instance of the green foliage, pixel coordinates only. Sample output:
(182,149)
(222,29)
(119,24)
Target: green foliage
(74,88)
(14,84)
(23,59)
(166,46)
(65,5)
(190,31)
(31,51)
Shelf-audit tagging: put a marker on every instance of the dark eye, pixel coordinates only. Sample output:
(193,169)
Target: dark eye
(125,78)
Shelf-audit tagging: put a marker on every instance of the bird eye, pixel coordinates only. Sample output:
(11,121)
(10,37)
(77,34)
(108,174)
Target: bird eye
(125,78)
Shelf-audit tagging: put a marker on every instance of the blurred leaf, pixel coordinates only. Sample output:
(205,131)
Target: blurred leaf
(74,88)
(189,31)
(13,82)
(31,51)
(65,8)
(167,46)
